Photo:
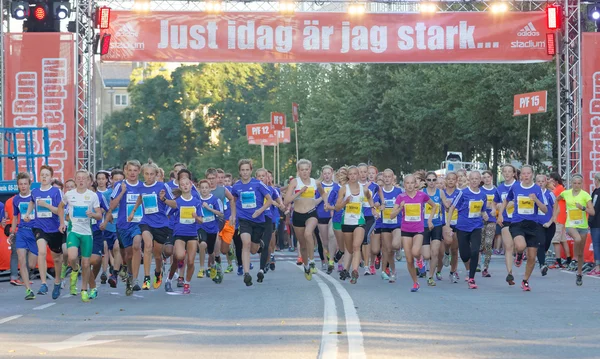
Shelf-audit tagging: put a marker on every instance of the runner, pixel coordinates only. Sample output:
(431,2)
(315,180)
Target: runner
(324,217)
(579,206)
(432,239)
(252,199)
(45,201)
(471,206)
(212,210)
(304,217)
(527,199)
(389,226)
(108,229)
(546,220)
(490,230)
(83,206)
(263,176)
(508,173)
(228,232)
(21,234)
(368,174)
(560,238)
(276,207)
(450,238)
(595,226)
(351,198)
(336,219)
(99,250)
(216,179)
(410,204)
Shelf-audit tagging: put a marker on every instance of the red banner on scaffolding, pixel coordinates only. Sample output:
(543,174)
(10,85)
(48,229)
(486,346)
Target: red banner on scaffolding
(465,37)
(40,92)
(590,109)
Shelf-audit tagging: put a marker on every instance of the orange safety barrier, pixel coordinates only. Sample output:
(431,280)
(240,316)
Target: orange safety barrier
(588,251)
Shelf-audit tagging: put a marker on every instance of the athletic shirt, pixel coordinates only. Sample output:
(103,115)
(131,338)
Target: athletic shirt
(227,205)
(127,203)
(46,221)
(490,194)
(20,204)
(210,222)
(104,205)
(562,207)
(389,200)
(451,198)
(311,189)
(332,199)
(594,221)
(437,218)
(373,188)
(275,194)
(353,213)
(154,210)
(469,206)
(525,208)
(110,227)
(412,213)
(79,204)
(321,212)
(544,218)
(500,196)
(184,223)
(249,198)
(576,218)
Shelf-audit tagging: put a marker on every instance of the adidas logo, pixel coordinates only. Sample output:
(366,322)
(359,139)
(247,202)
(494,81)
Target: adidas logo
(127,30)
(528,30)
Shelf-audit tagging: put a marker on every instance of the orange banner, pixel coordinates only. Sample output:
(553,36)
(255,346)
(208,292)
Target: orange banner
(328,37)
(528,103)
(40,93)
(590,109)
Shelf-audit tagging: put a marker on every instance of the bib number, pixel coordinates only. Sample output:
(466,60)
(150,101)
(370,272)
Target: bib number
(352,213)
(137,216)
(41,211)
(412,212)
(525,205)
(576,217)
(475,209)
(186,215)
(150,202)
(248,200)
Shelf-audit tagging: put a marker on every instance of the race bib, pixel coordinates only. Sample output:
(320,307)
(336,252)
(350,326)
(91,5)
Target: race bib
(248,199)
(207,215)
(43,212)
(352,213)
(475,209)
(137,216)
(429,210)
(412,212)
(387,216)
(576,217)
(150,202)
(490,201)
(309,193)
(115,213)
(525,205)
(78,212)
(327,189)
(454,219)
(23,210)
(186,215)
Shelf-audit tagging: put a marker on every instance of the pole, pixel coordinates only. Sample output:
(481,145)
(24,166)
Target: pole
(278,165)
(262,154)
(275,164)
(528,135)
(296,133)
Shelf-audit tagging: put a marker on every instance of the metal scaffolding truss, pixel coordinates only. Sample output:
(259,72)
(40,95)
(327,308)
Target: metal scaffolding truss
(567,63)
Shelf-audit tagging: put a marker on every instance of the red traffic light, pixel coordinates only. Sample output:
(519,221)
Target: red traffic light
(103,17)
(554,17)
(105,44)
(39,12)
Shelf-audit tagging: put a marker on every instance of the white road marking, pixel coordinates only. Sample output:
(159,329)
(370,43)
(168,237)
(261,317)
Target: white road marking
(44,306)
(8,319)
(329,337)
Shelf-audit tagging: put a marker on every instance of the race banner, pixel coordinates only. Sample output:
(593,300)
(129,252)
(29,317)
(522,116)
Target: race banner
(40,92)
(458,37)
(590,109)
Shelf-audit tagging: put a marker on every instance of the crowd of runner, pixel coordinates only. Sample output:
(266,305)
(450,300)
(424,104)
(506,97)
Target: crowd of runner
(111,224)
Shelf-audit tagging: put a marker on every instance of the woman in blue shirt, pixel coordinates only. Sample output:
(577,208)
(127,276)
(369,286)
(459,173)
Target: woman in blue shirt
(545,220)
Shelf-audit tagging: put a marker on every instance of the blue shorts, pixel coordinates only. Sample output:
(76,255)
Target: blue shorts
(110,238)
(25,239)
(126,235)
(97,243)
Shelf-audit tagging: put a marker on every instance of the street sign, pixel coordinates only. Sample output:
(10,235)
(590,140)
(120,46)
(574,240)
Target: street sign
(258,132)
(295,111)
(277,121)
(528,103)
(284,137)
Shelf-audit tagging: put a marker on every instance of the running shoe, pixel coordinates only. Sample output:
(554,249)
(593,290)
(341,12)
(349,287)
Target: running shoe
(330,266)
(454,278)
(594,273)
(85,296)
(186,289)
(377,262)
(272,264)
(157,281)
(146,284)
(63,271)
(354,278)
(56,291)
(29,294)
(229,268)
(123,273)
(510,279)
(323,265)
(579,280)
(430,282)
(94,293)
(446,260)
(247,279)
(344,274)
(392,278)
(299,261)
(525,286)
(478,270)
(421,266)
(17,282)
(240,270)
(260,276)
(367,272)
(200,273)
(44,289)
(212,272)
(73,283)
(384,276)
(231,254)
(519,260)
(387,271)
(372,270)
(307,273)
(136,286)
(103,278)
(472,284)
(485,273)
(180,282)
(129,286)
(313,267)
(572,266)
(362,264)
(415,287)
(438,276)
(168,286)
(544,270)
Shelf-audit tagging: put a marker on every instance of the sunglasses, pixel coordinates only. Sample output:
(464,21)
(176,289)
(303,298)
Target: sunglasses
(431,179)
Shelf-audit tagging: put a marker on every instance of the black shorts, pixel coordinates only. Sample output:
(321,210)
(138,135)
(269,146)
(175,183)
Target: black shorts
(350,228)
(499,228)
(324,220)
(532,232)
(377,231)
(254,229)
(97,243)
(432,235)
(162,235)
(54,240)
(453,228)
(209,238)
(410,234)
(388,230)
(299,219)
(186,238)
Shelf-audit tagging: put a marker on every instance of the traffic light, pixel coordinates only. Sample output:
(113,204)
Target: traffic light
(19,9)
(40,15)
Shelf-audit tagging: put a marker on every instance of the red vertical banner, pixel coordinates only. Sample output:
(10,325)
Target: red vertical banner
(295,111)
(590,110)
(40,92)
(277,121)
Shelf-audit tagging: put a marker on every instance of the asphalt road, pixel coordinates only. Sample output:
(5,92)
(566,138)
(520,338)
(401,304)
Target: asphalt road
(290,317)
